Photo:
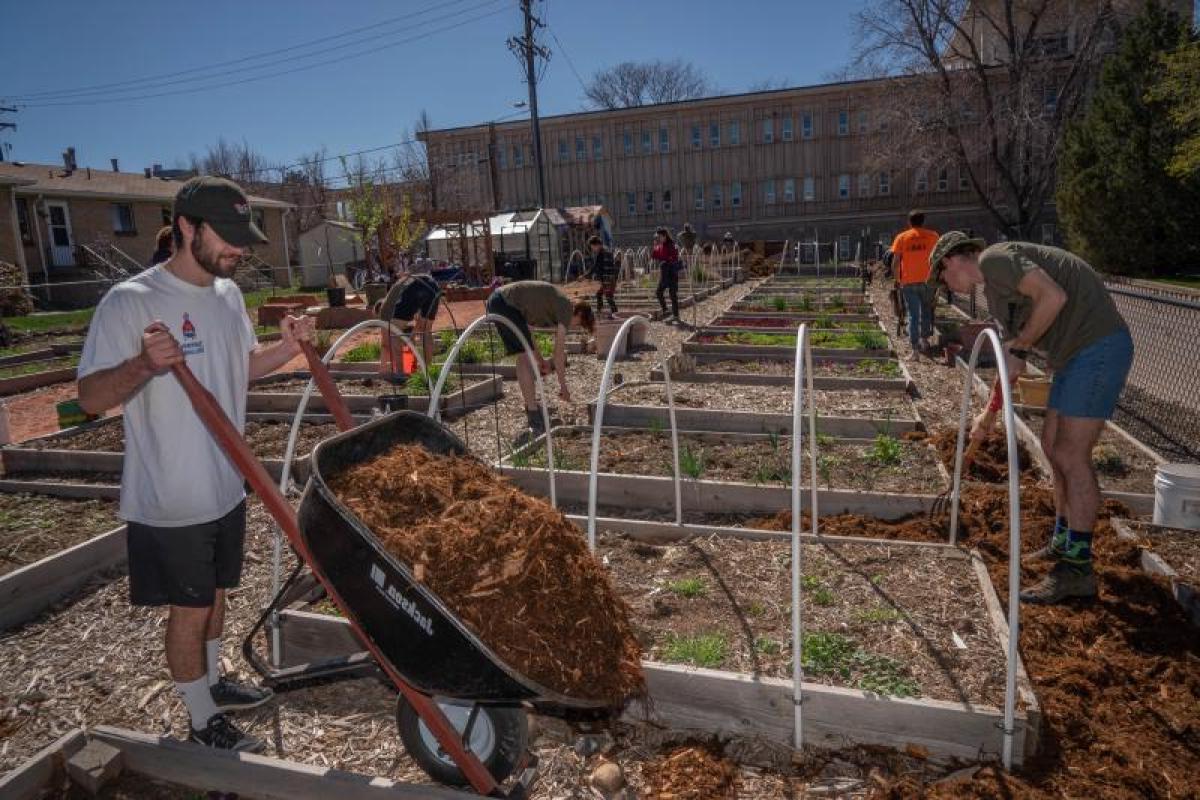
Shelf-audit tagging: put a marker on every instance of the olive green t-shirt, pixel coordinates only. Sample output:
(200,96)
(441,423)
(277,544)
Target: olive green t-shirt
(541,303)
(1088,316)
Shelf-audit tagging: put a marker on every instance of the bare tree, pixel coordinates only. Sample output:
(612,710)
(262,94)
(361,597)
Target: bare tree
(770,84)
(239,162)
(639,83)
(986,87)
(305,185)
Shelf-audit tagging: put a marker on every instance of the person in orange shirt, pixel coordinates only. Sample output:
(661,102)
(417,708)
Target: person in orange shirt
(911,249)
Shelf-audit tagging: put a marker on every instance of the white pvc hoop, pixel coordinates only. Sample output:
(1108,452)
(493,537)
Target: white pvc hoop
(435,395)
(1014,520)
(803,369)
(598,426)
(571,260)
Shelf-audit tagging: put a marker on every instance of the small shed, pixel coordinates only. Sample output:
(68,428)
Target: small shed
(521,237)
(330,245)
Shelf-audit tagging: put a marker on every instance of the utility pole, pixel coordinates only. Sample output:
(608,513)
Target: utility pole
(6,126)
(526,49)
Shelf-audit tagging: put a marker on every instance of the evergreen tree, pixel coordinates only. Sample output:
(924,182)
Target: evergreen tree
(1122,209)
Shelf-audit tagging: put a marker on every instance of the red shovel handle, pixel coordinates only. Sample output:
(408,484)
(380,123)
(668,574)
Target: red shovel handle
(329,391)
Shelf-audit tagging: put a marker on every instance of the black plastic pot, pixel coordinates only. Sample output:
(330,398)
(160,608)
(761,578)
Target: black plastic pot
(336,296)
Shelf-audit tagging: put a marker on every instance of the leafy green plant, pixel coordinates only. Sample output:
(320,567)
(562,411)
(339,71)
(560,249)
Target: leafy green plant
(688,587)
(417,384)
(701,650)
(878,614)
(767,646)
(770,471)
(520,459)
(779,302)
(883,675)
(824,653)
(810,582)
(805,303)
(823,597)
(826,464)
(755,609)
(870,340)
(836,304)
(691,462)
(363,352)
(887,450)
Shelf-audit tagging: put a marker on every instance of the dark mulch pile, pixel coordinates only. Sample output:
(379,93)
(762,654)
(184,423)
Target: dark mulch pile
(509,565)
(690,773)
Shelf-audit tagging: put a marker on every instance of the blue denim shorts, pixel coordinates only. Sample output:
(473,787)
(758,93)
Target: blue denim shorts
(1090,383)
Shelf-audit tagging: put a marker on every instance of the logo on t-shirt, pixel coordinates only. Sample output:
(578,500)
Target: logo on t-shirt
(191,345)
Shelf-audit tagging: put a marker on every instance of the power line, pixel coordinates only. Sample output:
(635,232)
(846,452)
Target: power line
(225,84)
(562,49)
(255,56)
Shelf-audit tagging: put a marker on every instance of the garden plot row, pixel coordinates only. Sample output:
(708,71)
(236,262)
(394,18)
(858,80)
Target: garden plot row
(865,343)
(807,281)
(759,302)
(27,375)
(363,392)
(903,642)
(1172,553)
(829,372)
(883,464)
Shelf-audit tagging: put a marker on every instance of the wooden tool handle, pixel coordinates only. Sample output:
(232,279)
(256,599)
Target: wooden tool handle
(329,391)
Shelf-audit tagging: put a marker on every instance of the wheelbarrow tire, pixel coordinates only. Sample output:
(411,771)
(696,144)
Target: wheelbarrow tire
(502,731)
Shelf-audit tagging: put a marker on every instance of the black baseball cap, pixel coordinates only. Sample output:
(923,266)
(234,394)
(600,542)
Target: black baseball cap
(223,206)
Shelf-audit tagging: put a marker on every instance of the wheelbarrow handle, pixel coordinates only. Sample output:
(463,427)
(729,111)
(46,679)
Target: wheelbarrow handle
(329,391)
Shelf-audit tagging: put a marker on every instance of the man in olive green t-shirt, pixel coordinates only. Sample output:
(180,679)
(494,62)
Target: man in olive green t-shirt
(1052,302)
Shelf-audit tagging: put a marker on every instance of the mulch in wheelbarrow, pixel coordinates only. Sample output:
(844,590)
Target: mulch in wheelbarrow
(510,566)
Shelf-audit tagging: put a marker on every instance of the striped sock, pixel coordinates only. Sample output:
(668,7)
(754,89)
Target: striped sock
(1058,539)
(1078,552)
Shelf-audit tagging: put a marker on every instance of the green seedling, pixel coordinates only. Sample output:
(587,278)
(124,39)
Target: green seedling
(364,352)
(825,321)
(870,340)
(836,304)
(779,302)
(826,464)
(823,597)
(688,587)
(878,614)
(883,675)
(702,650)
(691,462)
(767,646)
(810,582)
(520,459)
(755,609)
(805,304)
(887,450)
(824,653)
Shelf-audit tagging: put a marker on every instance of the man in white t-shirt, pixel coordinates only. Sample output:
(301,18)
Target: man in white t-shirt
(184,501)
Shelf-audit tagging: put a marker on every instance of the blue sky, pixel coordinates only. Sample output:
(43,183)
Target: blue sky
(462,75)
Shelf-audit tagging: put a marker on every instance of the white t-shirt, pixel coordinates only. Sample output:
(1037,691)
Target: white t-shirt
(175,474)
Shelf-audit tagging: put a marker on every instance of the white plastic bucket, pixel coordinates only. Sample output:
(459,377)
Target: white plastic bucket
(1177,496)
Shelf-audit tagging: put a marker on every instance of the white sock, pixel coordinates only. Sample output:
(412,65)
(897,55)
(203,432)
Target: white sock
(212,653)
(198,699)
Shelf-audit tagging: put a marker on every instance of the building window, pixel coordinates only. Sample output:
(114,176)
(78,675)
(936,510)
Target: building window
(844,247)
(664,140)
(810,189)
(696,138)
(885,183)
(666,199)
(714,134)
(769,192)
(597,148)
(698,198)
(631,203)
(649,202)
(787,129)
(864,184)
(122,219)
(768,130)
(502,156)
(922,181)
(943,179)
(518,153)
(862,121)
(843,123)
(735,194)
(627,141)
(806,125)
(23,221)
(843,186)
(647,143)
(580,149)
(964,180)
(718,197)
(789,190)
(1048,232)
(735,132)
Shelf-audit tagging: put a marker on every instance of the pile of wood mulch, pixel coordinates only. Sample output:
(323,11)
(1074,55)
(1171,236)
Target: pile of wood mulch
(509,565)
(990,464)
(693,772)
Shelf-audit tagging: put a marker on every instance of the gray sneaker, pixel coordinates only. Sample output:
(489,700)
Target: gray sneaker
(233,696)
(1046,554)
(1064,581)
(220,733)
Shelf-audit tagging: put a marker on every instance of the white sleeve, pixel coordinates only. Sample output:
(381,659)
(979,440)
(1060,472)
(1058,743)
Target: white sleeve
(238,303)
(111,338)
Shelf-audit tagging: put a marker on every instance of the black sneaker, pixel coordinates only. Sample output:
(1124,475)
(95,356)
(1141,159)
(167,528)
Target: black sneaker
(220,733)
(232,696)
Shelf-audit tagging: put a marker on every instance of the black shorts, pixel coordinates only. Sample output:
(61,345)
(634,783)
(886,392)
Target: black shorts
(496,304)
(421,295)
(185,566)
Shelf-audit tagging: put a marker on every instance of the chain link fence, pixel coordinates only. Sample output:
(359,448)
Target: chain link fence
(1161,401)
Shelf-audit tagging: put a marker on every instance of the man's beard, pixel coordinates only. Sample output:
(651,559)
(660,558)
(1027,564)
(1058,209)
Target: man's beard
(209,262)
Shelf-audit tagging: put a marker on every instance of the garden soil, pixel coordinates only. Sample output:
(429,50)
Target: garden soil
(1118,679)
(510,566)
(991,460)
(690,773)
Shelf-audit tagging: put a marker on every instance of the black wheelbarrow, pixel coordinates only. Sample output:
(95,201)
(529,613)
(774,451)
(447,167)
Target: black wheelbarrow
(476,731)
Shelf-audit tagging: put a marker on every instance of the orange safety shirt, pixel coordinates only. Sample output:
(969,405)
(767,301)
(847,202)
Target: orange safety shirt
(911,250)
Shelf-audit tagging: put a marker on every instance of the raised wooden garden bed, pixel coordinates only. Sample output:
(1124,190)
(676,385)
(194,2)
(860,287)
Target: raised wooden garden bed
(882,630)
(50,546)
(736,408)
(282,393)
(829,372)
(1122,463)
(752,304)
(30,375)
(1172,553)
(119,764)
(885,464)
(774,319)
(859,343)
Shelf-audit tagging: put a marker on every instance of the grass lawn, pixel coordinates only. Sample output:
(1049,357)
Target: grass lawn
(1190,281)
(50,321)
